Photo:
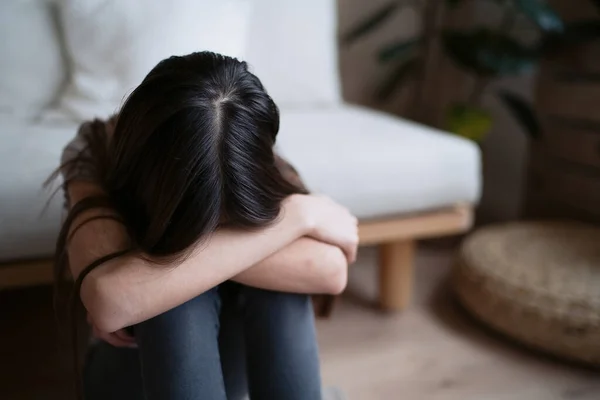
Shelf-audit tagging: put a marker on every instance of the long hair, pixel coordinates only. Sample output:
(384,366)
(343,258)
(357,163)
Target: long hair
(192,150)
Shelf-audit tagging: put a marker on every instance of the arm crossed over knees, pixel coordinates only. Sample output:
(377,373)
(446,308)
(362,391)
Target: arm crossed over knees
(301,252)
(305,266)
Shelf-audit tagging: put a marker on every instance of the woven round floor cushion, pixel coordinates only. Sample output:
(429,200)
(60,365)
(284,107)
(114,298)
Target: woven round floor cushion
(538,283)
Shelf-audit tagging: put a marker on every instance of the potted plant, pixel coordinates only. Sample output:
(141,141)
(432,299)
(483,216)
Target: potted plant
(485,53)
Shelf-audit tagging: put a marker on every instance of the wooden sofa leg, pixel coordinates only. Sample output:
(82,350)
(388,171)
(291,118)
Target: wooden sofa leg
(395,274)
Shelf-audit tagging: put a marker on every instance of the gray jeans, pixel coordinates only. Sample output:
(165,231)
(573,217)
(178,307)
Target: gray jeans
(229,342)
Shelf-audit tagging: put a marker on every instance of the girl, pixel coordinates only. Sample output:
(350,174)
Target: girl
(188,242)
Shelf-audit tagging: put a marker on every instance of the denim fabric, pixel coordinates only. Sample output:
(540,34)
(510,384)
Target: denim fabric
(226,343)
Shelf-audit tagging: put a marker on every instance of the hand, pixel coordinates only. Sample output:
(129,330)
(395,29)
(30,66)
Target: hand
(328,222)
(120,338)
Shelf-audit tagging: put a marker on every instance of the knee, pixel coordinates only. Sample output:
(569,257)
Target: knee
(182,337)
(289,302)
(279,318)
(203,307)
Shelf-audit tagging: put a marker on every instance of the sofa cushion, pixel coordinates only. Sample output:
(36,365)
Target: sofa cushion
(29,153)
(31,63)
(113,44)
(292,49)
(378,164)
(373,163)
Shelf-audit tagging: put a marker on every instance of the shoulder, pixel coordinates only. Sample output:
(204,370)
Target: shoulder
(85,133)
(282,164)
(78,143)
(288,172)
(77,156)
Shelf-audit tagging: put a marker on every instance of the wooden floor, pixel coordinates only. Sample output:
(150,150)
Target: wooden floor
(432,351)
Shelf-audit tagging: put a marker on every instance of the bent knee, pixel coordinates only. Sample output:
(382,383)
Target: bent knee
(255,297)
(205,306)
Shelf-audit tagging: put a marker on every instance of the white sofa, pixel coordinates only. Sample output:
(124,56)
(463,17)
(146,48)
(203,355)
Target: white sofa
(68,60)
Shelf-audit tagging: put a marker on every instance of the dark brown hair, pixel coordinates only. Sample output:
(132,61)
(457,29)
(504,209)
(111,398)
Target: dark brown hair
(192,150)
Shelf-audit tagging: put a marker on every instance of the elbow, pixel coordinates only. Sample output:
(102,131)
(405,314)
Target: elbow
(335,267)
(98,297)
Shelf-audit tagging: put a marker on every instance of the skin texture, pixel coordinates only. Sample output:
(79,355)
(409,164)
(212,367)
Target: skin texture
(130,289)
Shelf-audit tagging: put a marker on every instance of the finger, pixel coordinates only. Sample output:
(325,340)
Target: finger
(110,339)
(347,255)
(349,252)
(352,256)
(124,335)
(354,253)
(117,341)
(113,339)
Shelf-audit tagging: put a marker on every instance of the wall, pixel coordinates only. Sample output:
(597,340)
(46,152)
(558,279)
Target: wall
(360,70)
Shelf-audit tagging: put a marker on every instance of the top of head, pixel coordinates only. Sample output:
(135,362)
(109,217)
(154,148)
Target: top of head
(192,148)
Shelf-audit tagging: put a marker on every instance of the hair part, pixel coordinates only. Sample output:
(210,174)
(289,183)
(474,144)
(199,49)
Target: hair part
(193,149)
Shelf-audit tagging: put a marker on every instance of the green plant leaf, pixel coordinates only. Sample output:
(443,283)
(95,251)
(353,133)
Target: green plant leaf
(371,23)
(582,31)
(453,3)
(456,3)
(540,13)
(396,78)
(522,112)
(486,52)
(469,122)
(398,50)
(575,34)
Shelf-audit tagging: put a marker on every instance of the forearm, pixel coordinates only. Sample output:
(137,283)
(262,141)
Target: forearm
(128,289)
(131,290)
(304,266)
